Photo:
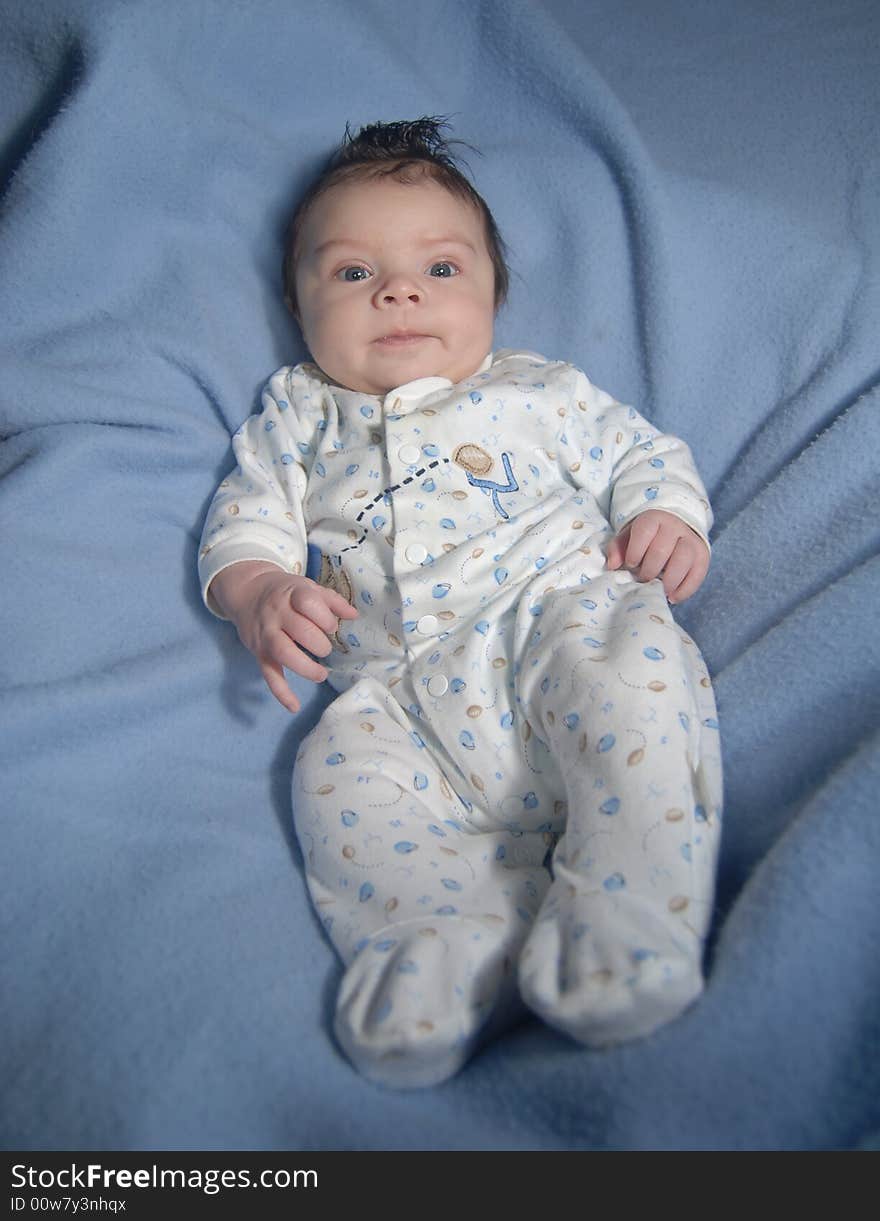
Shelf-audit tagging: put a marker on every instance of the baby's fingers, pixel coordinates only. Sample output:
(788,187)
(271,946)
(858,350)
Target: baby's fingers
(616,550)
(641,540)
(338,605)
(677,569)
(277,684)
(691,580)
(321,607)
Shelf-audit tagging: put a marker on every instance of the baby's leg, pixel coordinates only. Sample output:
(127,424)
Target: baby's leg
(622,697)
(427,912)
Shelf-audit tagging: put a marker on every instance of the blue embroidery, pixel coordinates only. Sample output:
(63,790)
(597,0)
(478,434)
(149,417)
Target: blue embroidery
(489,485)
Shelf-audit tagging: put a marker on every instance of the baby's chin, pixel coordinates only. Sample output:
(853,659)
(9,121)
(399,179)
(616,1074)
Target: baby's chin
(400,373)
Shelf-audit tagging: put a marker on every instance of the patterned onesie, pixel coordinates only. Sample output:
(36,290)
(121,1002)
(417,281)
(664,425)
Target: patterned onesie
(517,792)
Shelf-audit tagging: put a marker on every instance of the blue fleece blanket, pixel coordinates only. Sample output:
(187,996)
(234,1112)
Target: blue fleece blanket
(691,195)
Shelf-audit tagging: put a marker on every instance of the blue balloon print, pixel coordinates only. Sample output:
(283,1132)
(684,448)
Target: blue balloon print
(710,722)
(500,852)
(700,814)
(286,459)
(605,743)
(588,603)
(303,447)
(441,589)
(507,720)
(592,643)
(451,884)
(447,523)
(353,640)
(349,818)
(431,450)
(540,562)
(686,852)
(615,881)
(420,782)
(467,739)
(352,468)
(457,685)
(419,741)
(482,626)
(571,720)
(366,597)
(320,469)
(611,806)
(367,411)
(447,910)
(384,1010)
(282,404)
(377,522)
(651,493)
(641,955)
(336,757)
(435,657)
(501,575)
(366,892)
(524,915)
(596,453)
(475,396)
(408,967)
(656,462)
(537,610)
(684,721)
(653,654)
(386,944)
(429,485)
(534,471)
(530,801)
(269,425)
(435,830)
(405,846)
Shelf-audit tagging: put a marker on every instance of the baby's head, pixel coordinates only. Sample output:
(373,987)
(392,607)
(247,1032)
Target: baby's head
(394,266)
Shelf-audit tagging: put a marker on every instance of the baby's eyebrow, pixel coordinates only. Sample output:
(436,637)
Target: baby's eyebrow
(333,242)
(450,241)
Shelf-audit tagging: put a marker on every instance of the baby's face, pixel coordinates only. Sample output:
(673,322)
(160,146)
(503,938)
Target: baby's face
(394,282)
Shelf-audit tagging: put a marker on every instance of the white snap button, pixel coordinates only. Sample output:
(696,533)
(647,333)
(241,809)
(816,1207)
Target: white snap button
(427,625)
(621,576)
(438,684)
(416,553)
(409,454)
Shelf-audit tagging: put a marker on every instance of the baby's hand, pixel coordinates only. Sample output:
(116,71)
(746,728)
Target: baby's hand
(275,612)
(657,542)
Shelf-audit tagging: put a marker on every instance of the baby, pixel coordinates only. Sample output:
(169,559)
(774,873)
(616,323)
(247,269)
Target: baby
(516,794)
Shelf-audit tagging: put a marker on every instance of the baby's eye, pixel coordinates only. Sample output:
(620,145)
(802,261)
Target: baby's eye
(443,270)
(353,274)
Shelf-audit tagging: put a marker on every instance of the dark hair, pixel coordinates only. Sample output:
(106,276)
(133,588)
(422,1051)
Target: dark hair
(406,151)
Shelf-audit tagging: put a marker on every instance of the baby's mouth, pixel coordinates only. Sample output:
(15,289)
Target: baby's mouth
(401,339)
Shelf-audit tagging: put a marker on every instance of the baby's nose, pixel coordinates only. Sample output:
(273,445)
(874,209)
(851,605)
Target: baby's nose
(397,290)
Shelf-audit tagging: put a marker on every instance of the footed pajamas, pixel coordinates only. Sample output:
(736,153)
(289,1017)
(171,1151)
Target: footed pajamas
(517,791)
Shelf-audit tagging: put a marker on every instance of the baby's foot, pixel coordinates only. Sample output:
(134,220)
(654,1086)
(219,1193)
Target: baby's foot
(412,1005)
(607,966)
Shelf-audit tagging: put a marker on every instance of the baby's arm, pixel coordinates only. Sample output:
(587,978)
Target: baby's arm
(278,614)
(647,485)
(659,544)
